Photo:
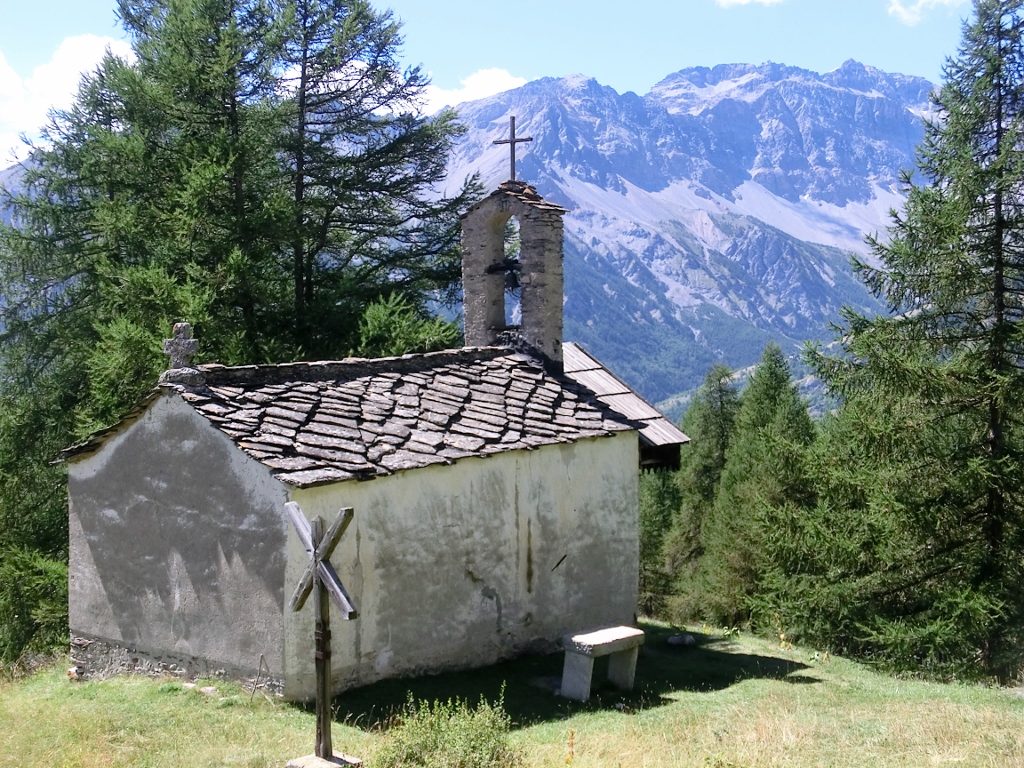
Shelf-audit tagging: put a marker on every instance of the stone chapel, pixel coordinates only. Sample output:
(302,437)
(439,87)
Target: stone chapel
(494,488)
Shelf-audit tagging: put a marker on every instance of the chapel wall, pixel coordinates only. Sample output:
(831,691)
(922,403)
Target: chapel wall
(177,545)
(463,565)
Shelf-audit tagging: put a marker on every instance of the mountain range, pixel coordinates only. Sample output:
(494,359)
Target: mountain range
(714,213)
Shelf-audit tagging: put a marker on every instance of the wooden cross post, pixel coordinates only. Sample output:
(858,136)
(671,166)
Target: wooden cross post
(512,141)
(321,580)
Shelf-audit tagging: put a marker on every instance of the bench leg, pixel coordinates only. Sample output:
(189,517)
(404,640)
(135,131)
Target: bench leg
(622,668)
(576,675)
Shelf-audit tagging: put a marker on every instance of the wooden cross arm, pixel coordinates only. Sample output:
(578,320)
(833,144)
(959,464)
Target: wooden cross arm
(334,533)
(323,552)
(332,583)
(336,590)
(301,525)
(331,536)
(319,566)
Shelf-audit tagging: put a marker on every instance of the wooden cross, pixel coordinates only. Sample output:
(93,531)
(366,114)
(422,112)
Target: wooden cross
(512,141)
(182,346)
(321,580)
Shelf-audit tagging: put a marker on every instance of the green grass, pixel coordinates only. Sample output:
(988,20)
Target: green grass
(736,701)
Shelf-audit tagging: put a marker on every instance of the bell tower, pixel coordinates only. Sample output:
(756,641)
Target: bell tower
(538,270)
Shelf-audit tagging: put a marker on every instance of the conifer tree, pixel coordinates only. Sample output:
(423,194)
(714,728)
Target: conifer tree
(359,166)
(942,586)
(659,502)
(393,326)
(168,191)
(763,468)
(832,565)
(709,422)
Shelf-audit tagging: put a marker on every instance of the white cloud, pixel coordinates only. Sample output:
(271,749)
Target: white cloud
(479,85)
(25,101)
(730,3)
(911,13)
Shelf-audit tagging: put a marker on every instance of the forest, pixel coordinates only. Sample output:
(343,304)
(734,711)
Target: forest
(261,169)
(891,529)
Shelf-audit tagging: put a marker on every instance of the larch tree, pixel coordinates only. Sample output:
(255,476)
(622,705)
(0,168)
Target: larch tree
(659,504)
(941,589)
(259,168)
(764,467)
(360,166)
(709,421)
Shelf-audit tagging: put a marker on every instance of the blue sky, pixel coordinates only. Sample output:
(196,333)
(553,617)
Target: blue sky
(472,49)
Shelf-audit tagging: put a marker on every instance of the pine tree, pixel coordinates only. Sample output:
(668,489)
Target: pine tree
(943,586)
(763,468)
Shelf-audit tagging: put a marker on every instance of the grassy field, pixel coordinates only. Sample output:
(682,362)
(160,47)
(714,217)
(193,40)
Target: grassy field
(725,701)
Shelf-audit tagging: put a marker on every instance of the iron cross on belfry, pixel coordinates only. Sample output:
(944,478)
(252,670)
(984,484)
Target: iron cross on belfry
(512,141)
(321,580)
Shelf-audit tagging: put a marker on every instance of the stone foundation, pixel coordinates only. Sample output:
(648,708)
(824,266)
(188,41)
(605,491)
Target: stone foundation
(96,659)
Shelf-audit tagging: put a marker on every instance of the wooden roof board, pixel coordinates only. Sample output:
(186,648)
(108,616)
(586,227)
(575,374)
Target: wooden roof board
(574,358)
(663,432)
(584,368)
(601,382)
(632,406)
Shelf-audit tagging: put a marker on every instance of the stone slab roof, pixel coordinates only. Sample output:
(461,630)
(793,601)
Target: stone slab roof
(317,423)
(523,192)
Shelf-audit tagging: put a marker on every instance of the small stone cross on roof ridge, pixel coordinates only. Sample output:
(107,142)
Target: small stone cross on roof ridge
(181,347)
(512,141)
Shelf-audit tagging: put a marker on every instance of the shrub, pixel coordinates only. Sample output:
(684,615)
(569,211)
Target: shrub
(449,734)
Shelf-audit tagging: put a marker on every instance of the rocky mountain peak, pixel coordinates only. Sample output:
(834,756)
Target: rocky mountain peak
(713,213)
(913,92)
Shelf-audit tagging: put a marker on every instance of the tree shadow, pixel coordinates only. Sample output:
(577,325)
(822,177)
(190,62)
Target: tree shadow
(530,683)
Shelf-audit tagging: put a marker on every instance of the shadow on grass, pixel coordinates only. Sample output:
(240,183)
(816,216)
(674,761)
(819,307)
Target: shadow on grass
(530,683)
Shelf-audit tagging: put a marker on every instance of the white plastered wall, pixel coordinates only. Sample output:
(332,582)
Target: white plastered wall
(177,543)
(461,565)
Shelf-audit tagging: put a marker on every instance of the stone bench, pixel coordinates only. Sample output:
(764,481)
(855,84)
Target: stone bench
(620,643)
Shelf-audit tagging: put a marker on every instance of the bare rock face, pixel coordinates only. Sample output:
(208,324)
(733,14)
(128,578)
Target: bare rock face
(712,214)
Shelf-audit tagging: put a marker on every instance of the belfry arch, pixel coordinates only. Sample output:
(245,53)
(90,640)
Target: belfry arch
(539,271)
